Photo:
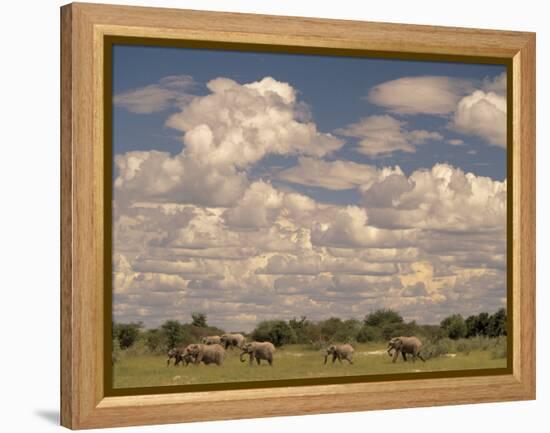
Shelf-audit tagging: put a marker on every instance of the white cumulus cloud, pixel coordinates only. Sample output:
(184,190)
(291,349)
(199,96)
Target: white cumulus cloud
(224,133)
(425,94)
(168,92)
(482,114)
(382,135)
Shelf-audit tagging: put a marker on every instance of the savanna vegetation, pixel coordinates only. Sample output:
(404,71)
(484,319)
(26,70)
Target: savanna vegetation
(477,341)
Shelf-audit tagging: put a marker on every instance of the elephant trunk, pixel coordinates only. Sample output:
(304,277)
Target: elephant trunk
(241,356)
(326,357)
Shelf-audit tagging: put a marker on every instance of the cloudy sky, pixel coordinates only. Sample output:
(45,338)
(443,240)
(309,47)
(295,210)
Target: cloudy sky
(252,186)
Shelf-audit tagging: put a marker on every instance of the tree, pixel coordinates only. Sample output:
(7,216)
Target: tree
(383,317)
(497,324)
(454,326)
(199,320)
(174,334)
(471,326)
(277,332)
(126,333)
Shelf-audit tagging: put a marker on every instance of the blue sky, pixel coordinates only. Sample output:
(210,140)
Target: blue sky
(263,185)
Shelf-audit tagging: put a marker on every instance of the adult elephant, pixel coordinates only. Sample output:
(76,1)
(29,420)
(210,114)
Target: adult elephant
(232,340)
(180,354)
(405,345)
(258,351)
(207,353)
(339,352)
(212,339)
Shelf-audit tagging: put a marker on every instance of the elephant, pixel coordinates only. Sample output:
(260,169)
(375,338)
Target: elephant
(258,350)
(339,352)
(180,354)
(232,340)
(212,339)
(405,345)
(207,353)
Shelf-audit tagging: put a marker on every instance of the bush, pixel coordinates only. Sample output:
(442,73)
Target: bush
(198,332)
(306,331)
(126,334)
(116,351)
(391,330)
(477,325)
(277,332)
(174,334)
(336,330)
(198,320)
(444,346)
(454,326)
(383,317)
(369,333)
(497,324)
(500,350)
(139,348)
(155,341)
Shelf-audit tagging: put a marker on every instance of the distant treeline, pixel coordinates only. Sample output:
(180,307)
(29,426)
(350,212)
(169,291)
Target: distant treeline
(378,326)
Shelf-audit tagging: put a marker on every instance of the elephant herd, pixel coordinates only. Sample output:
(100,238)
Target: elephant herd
(212,350)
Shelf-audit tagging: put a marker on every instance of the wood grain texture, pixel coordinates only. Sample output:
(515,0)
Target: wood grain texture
(67,394)
(83,402)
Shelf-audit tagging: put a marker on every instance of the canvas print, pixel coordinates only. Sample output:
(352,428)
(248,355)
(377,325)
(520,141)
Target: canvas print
(287,216)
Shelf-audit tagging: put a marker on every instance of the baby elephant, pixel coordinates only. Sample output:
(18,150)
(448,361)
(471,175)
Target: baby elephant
(232,340)
(405,345)
(180,354)
(339,352)
(207,353)
(212,339)
(258,351)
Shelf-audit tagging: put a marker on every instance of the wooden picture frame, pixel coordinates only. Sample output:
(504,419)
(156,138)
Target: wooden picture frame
(85,28)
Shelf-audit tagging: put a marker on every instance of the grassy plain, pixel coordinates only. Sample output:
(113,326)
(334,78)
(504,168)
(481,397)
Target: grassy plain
(291,362)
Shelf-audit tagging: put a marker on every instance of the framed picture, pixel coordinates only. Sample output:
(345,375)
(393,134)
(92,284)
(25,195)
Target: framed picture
(270,216)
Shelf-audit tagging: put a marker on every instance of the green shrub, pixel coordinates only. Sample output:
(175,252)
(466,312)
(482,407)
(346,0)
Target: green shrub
(139,348)
(368,334)
(500,350)
(277,332)
(116,352)
(445,346)
(175,334)
(305,330)
(126,334)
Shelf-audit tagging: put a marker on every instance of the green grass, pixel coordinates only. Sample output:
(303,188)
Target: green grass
(291,362)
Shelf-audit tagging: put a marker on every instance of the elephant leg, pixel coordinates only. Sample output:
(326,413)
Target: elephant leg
(258,361)
(270,362)
(395,356)
(251,360)
(334,356)
(404,356)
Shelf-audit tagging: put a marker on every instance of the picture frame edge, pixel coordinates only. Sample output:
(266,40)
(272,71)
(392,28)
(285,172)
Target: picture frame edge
(83,404)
